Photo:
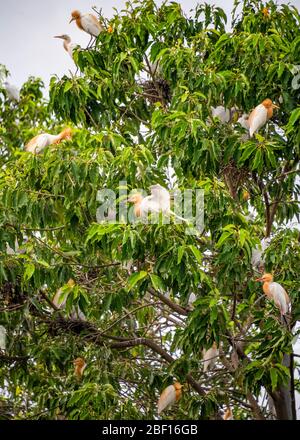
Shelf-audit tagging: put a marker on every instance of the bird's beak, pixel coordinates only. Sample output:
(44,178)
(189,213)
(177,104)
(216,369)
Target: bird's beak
(275,106)
(258,279)
(72,19)
(57,36)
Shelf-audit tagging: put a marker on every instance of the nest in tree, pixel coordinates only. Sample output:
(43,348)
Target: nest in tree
(11,294)
(157,90)
(234,177)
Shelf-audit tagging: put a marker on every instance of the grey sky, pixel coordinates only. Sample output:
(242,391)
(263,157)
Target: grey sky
(27,46)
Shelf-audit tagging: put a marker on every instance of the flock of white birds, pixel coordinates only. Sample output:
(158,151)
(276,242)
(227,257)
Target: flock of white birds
(158,201)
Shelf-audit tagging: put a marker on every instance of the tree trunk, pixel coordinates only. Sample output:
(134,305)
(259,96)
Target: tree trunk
(282,397)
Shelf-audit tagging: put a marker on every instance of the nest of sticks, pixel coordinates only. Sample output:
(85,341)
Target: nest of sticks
(157,90)
(234,177)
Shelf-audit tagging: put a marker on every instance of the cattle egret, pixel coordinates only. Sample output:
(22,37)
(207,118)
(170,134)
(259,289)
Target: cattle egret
(228,414)
(159,201)
(191,300)
(257,258)
(17,249)
(68,46)
(169,396)
(2,338)
(275,292)
(210,357)
(87,23)
(41,141)
(223,113)
(12,91)
(79,367)
(60,300)
(260,115)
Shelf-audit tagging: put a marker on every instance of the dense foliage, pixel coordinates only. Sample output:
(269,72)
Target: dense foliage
(140,108)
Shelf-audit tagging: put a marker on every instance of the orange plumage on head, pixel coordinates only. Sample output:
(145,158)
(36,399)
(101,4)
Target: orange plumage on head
(75,14)
(66,133)
(265,12)
(268,104)
(77,17)
(266,279)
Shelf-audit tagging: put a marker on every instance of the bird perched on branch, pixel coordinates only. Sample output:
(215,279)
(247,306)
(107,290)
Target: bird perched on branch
(12,91)
(79,367)
(260,115)
(87,23)
(210,357)
(192,298)
(169,396)
(159,201)
(275,292)
(68,46)
(257,258)
(41,141)
(223,113)
(228,414)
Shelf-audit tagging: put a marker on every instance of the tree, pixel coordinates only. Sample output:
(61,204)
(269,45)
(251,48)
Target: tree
(141,110)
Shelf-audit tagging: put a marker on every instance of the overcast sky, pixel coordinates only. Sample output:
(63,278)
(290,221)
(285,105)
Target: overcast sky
(27,27)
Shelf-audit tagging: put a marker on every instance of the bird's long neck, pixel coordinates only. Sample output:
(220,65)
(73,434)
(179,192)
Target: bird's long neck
(78,22)
(269,112)
(266,288)
(178,393)
(57,138)
(66,44)
(137,208)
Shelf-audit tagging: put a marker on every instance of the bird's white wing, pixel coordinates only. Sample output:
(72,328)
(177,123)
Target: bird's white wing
(257,118)
(167,398)
(149,205)
(221,112)
(209,358)
(279,296)
(257,258)
(192,299)
(91,25)
(161,196)
(39,142)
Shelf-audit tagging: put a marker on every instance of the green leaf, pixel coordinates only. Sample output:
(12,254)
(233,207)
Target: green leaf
(196,253)
(29,271)
(180,253)
(274,377)
(135,278)
(157,282)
